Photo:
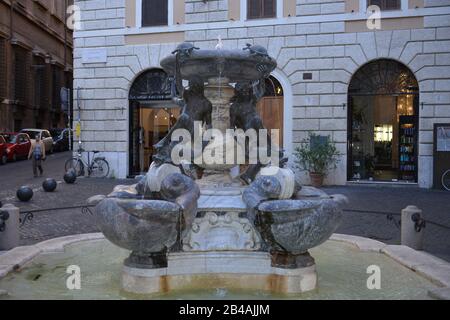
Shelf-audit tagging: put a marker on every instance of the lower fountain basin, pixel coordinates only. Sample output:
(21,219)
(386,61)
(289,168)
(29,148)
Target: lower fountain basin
(340,262)
(295,226)
(139,225)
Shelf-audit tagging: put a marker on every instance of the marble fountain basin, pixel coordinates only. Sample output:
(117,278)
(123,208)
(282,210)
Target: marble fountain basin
(39,272)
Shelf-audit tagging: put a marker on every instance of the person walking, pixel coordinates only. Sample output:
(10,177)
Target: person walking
(37,151)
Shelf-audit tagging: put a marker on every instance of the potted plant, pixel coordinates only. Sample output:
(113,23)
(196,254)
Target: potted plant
(316,154)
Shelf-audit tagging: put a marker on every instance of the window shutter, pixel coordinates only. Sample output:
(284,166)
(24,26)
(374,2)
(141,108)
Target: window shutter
(20,67)
(261,9)
(386,4)
(154,13)
(269,8)
(392,4)
(56,88)
(254,9)
(2,68)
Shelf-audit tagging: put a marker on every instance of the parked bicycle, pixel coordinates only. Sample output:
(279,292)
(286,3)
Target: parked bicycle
(98,167)
(446,180)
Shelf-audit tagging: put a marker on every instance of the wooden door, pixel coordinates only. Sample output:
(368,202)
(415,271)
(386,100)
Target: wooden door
(271,111)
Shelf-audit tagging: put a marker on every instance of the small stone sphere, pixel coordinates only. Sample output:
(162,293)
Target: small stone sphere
(49,185)
(70,177)
(24,194)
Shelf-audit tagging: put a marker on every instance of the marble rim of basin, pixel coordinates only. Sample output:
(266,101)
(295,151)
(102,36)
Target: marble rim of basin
(426,265)
(236,65)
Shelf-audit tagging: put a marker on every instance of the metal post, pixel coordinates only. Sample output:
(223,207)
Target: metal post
(412,227)
(70,118)
(10,221)
(79,114)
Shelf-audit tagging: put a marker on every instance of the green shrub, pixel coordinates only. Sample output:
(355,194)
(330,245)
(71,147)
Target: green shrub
(316,154)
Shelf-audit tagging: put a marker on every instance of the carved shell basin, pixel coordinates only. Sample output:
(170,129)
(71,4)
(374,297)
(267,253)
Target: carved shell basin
(298,225)
(235,65)
(139,225)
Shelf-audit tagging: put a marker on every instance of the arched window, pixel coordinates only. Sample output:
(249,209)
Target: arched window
(383,76)
(151,85)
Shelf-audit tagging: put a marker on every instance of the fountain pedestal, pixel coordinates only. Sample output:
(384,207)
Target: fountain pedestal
(233,270)
(223,250)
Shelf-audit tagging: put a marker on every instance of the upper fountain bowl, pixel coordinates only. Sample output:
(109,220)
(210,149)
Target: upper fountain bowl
(249,64)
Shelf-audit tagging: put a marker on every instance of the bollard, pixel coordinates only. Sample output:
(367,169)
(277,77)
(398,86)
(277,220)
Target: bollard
(412,227)
(10,236)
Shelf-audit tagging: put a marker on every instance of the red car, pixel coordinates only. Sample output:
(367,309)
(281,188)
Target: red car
(3,153)
(18,145)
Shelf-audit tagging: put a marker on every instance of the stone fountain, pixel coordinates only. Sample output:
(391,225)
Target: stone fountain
(196,224)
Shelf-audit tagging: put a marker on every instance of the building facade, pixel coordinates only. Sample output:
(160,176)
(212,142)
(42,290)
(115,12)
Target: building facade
(377,92)
(35,63)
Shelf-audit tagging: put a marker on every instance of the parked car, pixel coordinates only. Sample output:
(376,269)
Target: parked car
(45,137)
(61,139)
(18,145)
(3,152)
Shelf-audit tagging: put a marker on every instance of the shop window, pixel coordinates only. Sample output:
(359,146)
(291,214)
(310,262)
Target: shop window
(257,9)
(154,13)
(385,4)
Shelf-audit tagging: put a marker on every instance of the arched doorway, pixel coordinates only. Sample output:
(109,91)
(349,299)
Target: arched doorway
(271,107)
(152,114)
(383,123)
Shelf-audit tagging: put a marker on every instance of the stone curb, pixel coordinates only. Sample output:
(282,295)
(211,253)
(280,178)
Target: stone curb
(434,269)
(428,266)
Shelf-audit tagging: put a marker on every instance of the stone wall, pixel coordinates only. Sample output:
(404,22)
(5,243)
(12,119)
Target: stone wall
(199,11)
(323,49)
(316,7)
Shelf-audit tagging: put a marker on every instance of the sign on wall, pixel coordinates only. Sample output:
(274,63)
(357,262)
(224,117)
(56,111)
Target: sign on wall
(94,55)
(443,138)
(441,154)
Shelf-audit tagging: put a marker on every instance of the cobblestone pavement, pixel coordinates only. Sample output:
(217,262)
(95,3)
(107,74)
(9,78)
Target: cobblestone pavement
(49,224)
(434,203)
